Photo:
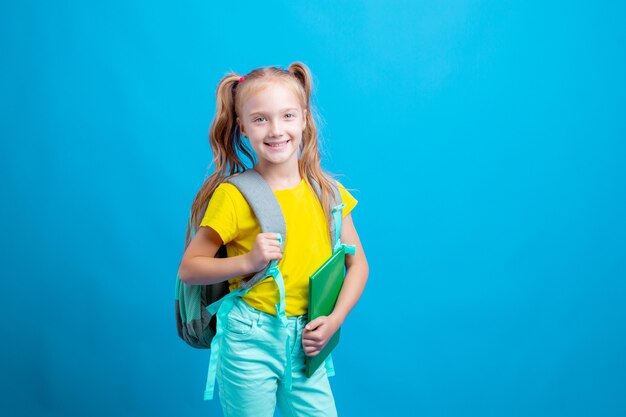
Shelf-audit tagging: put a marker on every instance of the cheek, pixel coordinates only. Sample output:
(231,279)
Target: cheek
(253,131)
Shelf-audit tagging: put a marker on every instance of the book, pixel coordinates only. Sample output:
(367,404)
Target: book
(324,287)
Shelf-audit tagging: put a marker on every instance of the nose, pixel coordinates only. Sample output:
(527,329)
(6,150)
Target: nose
(276,129)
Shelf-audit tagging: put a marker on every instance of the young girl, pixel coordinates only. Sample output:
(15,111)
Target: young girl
(261,357)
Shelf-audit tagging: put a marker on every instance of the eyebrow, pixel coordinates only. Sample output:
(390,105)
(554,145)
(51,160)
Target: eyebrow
(252,113)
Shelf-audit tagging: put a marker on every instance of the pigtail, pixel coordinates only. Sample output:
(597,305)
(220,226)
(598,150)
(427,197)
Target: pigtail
(225,135)
(303,75)
(228,148)
(310,158)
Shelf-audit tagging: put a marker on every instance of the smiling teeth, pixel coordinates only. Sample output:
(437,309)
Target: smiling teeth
(275,145)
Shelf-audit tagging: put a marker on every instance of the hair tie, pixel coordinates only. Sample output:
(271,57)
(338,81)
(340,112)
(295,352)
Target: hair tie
(241,79)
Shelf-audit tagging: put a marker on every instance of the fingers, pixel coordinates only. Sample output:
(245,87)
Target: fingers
(269,246)
(270,237)
(311,351)
(312,338)
(312,344)
(315,336)
(266,248)
(269,240)
(314,324)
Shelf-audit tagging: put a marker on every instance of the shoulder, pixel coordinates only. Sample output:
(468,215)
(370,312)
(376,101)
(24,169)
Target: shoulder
(225,211)
(227,191)
(227,199)
(346,198)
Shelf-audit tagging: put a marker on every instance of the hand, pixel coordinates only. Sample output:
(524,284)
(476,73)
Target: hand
(317,333)
(266,248)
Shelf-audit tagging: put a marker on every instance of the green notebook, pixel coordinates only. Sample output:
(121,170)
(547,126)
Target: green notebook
(324,287)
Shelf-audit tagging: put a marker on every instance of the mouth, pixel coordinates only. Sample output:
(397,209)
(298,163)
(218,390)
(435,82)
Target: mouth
(278,145)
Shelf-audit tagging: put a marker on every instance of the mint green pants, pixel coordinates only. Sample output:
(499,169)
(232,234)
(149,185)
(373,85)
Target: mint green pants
(251,368)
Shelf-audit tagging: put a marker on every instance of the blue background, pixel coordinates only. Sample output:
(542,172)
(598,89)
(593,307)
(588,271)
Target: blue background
(483,139)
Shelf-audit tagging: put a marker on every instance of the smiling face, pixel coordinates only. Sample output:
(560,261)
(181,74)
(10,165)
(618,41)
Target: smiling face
(272,118)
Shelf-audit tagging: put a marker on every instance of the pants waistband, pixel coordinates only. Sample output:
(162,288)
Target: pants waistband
(263,317)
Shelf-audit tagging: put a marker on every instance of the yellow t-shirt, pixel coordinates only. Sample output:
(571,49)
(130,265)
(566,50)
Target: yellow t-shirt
(307,243)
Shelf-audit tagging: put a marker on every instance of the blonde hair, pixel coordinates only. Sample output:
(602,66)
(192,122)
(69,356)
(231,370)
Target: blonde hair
(230,152)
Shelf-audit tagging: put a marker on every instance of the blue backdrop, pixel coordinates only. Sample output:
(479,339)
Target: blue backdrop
(483,139)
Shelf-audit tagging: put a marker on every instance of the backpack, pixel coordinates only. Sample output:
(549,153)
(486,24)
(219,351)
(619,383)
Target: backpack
(195,324)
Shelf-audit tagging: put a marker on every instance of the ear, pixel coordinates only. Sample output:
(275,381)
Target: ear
(304,114)
(241,129)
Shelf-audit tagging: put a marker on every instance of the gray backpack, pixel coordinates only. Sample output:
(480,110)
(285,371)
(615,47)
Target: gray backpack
(196,326)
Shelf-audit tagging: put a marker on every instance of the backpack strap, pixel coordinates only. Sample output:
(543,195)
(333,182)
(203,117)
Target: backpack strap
(334,228)
(265,206)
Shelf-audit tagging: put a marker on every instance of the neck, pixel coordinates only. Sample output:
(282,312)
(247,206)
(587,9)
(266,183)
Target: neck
(280,177)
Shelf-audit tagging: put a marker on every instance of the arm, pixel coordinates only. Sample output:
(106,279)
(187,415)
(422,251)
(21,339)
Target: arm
(357,271)
(199,265)
(319,331)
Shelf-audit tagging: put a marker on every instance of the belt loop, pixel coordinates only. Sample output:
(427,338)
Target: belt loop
(258,318)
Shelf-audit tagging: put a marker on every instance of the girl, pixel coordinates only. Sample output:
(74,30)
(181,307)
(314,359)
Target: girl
(269,110)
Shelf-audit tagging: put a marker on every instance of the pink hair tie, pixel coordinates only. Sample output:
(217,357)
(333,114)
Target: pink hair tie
(241,79)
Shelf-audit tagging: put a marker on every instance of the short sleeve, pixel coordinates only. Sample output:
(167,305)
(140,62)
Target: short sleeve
(220,214)
(347,199)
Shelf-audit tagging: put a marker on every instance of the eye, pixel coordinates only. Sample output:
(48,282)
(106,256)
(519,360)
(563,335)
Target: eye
(289,116)
(259,119)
